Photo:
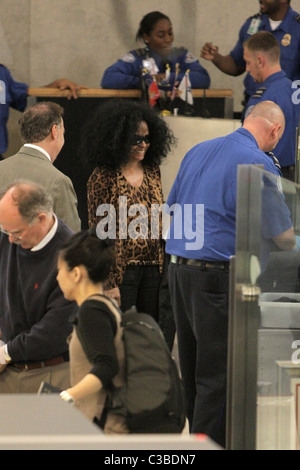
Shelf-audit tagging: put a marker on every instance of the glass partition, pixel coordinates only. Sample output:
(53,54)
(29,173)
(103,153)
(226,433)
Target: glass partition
(264,322)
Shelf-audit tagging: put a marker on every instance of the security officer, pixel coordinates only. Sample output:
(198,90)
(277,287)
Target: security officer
(14,95)
(158,58)
(275,16)
(262,57)
(199,267)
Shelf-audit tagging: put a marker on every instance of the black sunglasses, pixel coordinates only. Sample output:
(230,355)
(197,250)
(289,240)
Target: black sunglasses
(138,139)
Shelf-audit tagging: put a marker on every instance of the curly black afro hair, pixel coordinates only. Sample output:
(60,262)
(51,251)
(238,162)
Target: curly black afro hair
(106,138)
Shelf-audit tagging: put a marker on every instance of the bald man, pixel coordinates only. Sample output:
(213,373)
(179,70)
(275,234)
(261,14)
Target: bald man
(199,267)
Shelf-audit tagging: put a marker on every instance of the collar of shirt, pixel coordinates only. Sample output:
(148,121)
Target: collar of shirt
(245,132)
(39,149)
(285,23)
(48,237)
(271,78)
(274,24)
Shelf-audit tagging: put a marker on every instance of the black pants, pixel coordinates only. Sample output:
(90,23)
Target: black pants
(288,172)
(200,302)
(166,314)
(140,287)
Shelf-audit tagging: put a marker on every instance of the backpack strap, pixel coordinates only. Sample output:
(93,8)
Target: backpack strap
(117,313)
(109,302)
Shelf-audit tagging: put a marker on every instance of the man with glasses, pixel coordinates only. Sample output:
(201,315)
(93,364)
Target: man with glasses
(42,131)
(34,315)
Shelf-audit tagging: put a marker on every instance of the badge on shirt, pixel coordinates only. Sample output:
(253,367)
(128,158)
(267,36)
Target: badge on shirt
(150,66)
(254,25)
(286,40)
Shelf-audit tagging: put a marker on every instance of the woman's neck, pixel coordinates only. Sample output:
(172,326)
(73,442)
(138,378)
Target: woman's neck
(134,173)
(132,166)
(87,291)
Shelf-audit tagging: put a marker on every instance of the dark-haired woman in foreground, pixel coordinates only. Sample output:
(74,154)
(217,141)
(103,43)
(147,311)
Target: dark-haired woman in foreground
(96,348)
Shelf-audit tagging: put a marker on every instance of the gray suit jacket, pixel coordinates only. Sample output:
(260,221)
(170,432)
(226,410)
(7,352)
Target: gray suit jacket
(31,164)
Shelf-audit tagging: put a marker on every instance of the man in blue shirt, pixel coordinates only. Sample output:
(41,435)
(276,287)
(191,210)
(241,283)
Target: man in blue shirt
(201,241)
(275,16)
(13,94)
(262,58)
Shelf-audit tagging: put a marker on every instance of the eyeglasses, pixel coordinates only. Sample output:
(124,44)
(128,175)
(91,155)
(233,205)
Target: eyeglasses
(17,234)
(138,139)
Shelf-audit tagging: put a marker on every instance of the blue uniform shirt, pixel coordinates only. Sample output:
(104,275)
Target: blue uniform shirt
(278,88)
(204,194)
(126,72)
(288,36)
(12,94)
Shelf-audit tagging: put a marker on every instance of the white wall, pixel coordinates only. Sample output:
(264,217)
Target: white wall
(46,39)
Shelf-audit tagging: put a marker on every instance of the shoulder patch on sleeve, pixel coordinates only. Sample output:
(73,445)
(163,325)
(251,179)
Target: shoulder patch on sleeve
(248,111)
(297,18)
(142,51)
(189,58)
(256,16)
(129,57)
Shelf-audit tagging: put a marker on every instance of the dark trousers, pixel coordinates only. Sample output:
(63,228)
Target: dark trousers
(166,314)
(140,287)
(200,302)
(288,172)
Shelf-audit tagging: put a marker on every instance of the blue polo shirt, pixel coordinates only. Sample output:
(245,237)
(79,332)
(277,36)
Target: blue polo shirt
(288,36)
(278,88)
(204,196)
(12,94)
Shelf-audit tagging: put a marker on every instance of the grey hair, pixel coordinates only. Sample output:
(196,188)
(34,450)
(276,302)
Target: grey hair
(30,198)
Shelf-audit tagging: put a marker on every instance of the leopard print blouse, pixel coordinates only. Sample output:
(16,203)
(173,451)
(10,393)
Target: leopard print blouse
(127,218)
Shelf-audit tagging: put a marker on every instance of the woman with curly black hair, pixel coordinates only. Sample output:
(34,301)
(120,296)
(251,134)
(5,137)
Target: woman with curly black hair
(125,142)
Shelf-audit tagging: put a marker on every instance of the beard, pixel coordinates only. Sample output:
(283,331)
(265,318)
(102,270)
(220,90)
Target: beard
(269,8)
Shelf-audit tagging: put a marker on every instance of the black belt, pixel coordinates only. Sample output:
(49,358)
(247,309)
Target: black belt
(288,168)
(55,361)
(208,265)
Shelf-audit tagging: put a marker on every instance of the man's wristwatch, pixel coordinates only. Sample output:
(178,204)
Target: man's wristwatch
(67,397)
(6,355)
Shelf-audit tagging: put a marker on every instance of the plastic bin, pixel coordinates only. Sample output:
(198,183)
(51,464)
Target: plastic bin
(279,314)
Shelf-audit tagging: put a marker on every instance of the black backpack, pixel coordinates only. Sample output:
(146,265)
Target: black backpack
(152,400)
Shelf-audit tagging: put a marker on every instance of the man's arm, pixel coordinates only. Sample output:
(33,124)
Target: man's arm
(66,84)
(286,240)
(47,337)
(66,202)
(224,63)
